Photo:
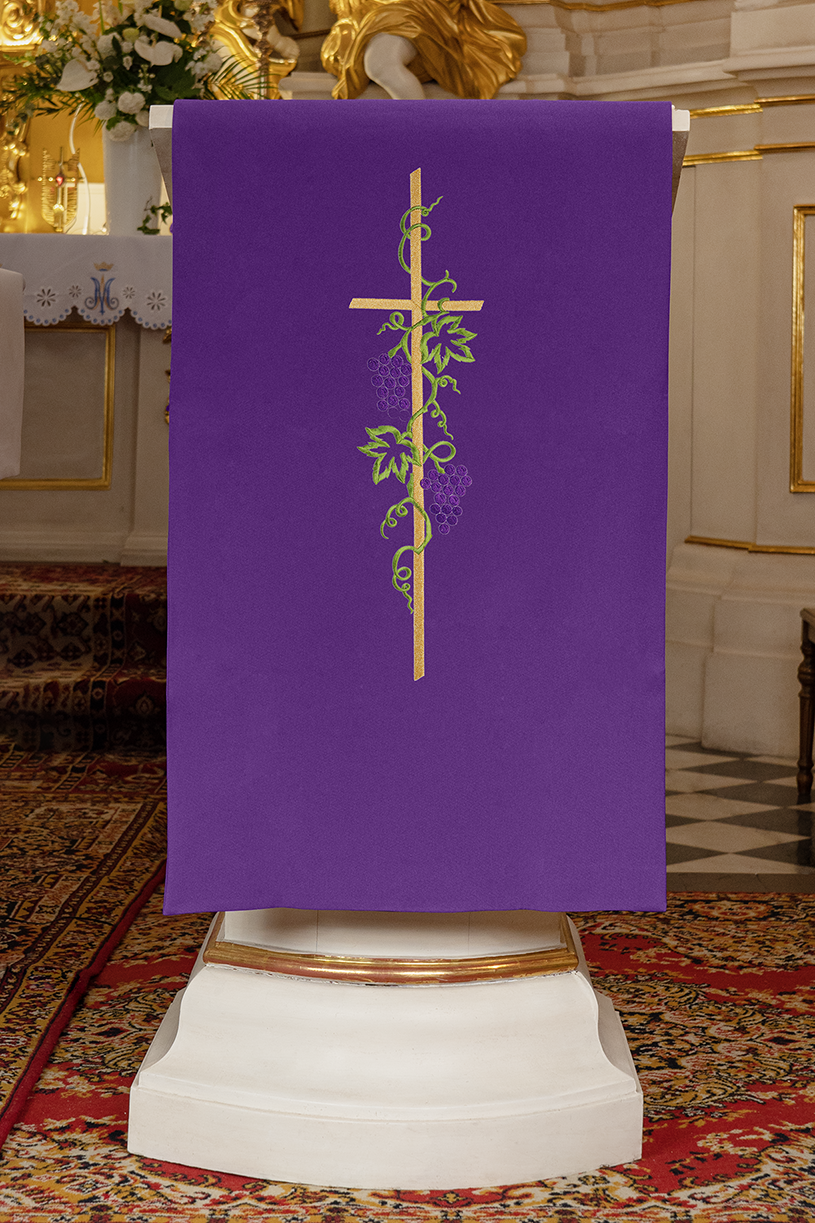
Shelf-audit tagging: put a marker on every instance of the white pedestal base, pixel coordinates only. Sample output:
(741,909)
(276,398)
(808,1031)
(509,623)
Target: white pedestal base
(414,1087)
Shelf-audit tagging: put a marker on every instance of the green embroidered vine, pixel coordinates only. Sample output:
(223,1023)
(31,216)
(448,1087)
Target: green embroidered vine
(392,448)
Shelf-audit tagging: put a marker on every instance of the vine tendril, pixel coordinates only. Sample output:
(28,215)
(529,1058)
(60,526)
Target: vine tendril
(403,575)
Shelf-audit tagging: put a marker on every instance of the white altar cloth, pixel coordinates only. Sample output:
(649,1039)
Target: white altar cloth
(97,275)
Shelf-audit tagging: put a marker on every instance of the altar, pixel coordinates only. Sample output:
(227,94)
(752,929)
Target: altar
(93,480)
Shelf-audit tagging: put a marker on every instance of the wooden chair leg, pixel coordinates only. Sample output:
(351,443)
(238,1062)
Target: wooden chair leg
(806,676)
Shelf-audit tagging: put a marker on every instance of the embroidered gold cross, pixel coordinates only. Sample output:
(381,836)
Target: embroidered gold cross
(417,432)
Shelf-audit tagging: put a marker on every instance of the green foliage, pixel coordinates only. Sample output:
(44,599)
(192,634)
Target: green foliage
(453,342)
(391,444)
(392,449)
(157,214)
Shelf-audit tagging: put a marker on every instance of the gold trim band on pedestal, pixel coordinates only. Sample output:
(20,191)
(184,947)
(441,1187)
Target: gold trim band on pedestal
(746,546)
(382,970)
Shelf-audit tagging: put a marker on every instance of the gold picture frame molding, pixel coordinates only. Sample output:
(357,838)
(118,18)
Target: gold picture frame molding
(756,153)
(98,483)
(797,482)
(388,970)
(710,541)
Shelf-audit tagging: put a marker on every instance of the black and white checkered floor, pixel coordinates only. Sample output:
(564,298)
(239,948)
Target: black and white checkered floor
(732,815)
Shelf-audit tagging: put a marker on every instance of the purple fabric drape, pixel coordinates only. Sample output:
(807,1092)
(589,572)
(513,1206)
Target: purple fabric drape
(307,768)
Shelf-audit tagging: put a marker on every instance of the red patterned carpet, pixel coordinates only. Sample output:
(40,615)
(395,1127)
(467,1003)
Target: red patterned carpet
(717,1000)
(81,847)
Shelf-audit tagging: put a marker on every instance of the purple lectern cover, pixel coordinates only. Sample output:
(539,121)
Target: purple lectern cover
(418,450)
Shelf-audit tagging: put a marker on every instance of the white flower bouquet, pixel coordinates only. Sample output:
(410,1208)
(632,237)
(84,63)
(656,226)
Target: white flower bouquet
(132,55)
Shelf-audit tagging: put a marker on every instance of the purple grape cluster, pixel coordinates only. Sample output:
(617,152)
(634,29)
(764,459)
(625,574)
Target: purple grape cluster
(448,486)
(391,377)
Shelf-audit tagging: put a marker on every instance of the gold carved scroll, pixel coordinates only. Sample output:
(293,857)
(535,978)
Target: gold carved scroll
(470,47)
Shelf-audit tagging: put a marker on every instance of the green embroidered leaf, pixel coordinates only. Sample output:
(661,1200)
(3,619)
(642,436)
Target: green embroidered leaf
(463,353)
(453,341)
(393,453)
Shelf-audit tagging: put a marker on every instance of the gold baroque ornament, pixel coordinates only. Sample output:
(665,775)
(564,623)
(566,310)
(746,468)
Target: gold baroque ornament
(250,34)
(470,47)
(18,26)
(13,148)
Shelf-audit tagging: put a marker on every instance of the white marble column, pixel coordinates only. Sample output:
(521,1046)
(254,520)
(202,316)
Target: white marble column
(736,587)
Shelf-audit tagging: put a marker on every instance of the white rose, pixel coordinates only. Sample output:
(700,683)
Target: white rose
(77,74)
(105,45)
(104,110)
(143,118)
(157,53)
(66,10)
(161,25)
(120,131)
(131,103)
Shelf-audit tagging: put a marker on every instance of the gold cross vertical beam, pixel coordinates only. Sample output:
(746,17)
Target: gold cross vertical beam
(417,428)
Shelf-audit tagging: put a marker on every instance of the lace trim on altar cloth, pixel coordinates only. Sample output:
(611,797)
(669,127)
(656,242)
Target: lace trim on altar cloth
(98,276)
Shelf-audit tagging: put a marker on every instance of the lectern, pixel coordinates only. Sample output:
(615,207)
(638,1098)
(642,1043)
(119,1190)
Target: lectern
(418,453)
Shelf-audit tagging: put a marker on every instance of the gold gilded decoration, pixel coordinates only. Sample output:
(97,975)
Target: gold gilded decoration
(103,481)
(756,153)
(711,542)
(13,188)
(250,34)
(470,47)
(704,159)
(364,970)
(794,146)
(414,304)
(59,179)
(752,108)
(797,482)
(580,6)
(18,24)
(790,99)
(709,112)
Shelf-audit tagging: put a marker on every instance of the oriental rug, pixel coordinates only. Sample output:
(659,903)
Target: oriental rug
(83,656)
(81,847)
(717,1000)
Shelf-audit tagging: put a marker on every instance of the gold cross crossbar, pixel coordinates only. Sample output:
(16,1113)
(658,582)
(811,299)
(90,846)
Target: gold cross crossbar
(385,303)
